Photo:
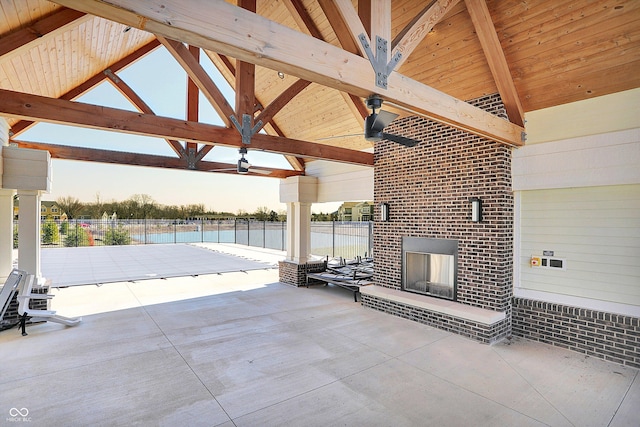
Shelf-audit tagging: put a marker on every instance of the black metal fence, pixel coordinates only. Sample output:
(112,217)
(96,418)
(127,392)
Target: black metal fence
(333,238)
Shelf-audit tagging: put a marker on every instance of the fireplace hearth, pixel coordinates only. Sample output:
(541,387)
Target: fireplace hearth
(429,266)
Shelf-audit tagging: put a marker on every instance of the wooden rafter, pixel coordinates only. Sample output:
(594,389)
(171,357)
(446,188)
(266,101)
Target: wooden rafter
(53,110)
(222,27)
(142,106)
(227,69)
(49,26)
(198,74)
(364,12)
(348,24)
(92,82)
(305,22)
(348,43)
(490,43)
(137,159)
(413,33)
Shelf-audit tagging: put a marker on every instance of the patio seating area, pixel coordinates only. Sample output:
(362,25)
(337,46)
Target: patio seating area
(242,349)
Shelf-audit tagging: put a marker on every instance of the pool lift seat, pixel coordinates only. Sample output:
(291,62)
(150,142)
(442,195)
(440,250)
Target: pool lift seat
(25,295)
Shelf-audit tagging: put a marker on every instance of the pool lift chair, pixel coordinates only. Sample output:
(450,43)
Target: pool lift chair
(25,295)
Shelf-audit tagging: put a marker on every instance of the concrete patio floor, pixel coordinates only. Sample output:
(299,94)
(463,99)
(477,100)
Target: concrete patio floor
(243,349)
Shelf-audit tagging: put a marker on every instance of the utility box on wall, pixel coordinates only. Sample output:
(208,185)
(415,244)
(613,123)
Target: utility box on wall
(25,169)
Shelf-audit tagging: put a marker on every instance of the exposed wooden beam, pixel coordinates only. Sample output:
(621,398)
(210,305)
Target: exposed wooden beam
(193,104)
(199,76)
(303,19)
(245,89)
(344,18)
(359,108)
(20,40)
(123,158)
(245,77)
(226,68)
(53,110)
(486,32)
(415,31)
(347,41)
(139,103)
(233,31)
(381,21)
(364,12)
(305,22)
(224,30)
(93,81)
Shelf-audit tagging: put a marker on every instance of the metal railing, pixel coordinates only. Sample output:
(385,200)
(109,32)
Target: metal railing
(346,239)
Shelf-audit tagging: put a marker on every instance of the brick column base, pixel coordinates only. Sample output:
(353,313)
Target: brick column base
(295,274)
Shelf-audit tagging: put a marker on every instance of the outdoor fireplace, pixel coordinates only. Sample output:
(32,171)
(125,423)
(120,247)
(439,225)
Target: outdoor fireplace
(429,266)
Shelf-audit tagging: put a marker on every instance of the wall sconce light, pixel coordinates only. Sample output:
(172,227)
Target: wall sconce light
(384,211)
(476,209)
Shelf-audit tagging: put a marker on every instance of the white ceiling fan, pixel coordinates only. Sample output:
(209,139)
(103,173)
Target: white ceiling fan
(244,167)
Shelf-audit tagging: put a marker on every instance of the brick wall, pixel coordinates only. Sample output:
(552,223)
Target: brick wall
(428,188)
(603,335)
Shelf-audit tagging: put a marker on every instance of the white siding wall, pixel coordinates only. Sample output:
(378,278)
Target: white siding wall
(577,193)
(595,229)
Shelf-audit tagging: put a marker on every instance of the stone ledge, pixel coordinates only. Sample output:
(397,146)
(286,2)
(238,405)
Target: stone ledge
(454,309)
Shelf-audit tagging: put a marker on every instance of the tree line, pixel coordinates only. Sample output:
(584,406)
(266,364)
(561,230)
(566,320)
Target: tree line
(143,206)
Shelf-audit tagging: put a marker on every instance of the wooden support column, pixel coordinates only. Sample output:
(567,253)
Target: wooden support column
(29,232)
(298,193)
(193,105)
(245,77)
(6,213)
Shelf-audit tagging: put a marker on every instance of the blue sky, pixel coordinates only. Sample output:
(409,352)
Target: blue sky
(161,83)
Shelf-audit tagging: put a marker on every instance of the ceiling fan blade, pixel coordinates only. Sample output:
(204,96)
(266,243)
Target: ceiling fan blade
(382,119)
(260,171)
(223,170)
(408,142)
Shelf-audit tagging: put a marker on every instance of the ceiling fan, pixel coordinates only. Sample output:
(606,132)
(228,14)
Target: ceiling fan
(375,123)
(244,167)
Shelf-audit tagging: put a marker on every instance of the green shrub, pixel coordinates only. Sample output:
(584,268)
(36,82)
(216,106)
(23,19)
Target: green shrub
(15,237)
(64,227)
(77,236)
(117,236)
(49,232)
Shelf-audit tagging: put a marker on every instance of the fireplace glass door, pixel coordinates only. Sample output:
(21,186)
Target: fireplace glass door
(429,274)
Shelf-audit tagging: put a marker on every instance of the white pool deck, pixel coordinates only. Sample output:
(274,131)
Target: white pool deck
(242,349)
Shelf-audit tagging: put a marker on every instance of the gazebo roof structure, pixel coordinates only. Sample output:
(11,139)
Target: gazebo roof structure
(302,69)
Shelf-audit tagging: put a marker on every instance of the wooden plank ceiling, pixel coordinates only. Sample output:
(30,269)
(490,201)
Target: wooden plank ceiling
(300,70)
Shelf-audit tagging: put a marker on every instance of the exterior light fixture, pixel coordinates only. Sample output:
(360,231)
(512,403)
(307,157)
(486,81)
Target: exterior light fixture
(476,209)
(384,211)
